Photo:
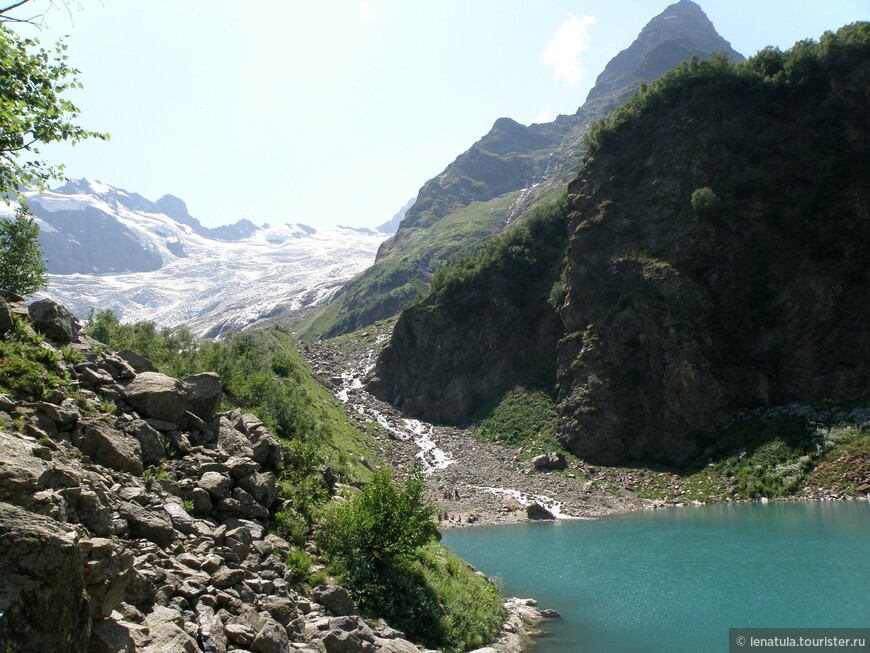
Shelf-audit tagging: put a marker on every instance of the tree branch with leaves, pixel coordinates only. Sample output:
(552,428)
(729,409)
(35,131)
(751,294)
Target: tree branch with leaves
(34,109)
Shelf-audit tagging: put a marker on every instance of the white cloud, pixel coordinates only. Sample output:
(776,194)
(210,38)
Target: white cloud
(543,115)
(368,13)
(563,50)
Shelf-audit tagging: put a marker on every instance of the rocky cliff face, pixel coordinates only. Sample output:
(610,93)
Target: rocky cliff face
(486,327)
(525,164)
(135,517)
(715,256)
(714,265)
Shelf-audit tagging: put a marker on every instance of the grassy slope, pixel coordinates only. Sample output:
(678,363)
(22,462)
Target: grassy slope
(406,267)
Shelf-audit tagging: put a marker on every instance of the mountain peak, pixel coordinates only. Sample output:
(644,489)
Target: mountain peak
(679,32)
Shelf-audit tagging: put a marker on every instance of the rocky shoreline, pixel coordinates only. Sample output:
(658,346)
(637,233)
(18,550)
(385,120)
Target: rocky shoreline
(494,484)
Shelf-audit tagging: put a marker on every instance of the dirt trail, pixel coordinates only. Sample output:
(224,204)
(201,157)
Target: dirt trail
(490,483)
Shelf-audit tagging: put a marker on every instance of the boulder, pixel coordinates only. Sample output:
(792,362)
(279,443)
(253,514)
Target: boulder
(234,442)
(211,630)
(272,638)
(550,461)
(262,486)
(107,572)
(349,634)
(149,441)
(5,316)
(137,361)
(166,628)
(43,603)
(218,485)
(21,473)
(116,635)
(147,524)
(52,319)
(63,414)
(158,396)
(109,447)
(335,599)
(536,511)
(204,394)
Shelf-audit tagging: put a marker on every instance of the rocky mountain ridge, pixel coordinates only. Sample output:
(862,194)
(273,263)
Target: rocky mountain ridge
(494,184)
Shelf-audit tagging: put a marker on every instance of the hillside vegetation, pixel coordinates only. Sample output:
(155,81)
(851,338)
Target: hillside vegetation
(487,325)
(714,265)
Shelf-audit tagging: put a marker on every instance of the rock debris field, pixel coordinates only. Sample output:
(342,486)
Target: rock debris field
(492,486)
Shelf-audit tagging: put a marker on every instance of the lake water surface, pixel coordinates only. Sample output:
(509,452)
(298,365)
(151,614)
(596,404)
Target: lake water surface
(674,581)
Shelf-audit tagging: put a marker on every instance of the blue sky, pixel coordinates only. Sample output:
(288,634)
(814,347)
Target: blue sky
(336,112)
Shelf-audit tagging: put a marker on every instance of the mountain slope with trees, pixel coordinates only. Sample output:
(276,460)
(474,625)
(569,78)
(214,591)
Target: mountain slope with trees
(713,263)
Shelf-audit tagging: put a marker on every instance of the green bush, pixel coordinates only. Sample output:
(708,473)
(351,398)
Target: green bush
(518,417)
(382,524)
(705,202)
(27,368)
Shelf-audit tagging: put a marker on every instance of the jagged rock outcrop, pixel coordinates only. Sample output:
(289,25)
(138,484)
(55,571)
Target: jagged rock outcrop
(715,257)
(138,530)
(478,336)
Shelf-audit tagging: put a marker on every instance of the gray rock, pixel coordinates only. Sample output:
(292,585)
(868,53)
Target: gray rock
(282,608)
(5,316)
(211,630)
(550,461)
(335,599)
(219,486)
(64,414)
(21,473)
(400,645)
(117,635)
(201,500)
(204,394)
(234,442)
(181,521)
(267,450)
(156,395)
(240,467)
(52,319)
(550,614)
(138,362)
(240,634)
(109,447)
(149,441)
(147,524)
(166,628)
(44,605)
(108,571)
(537,512)
(226,577)
(349,635)
(272,638)
(263,487)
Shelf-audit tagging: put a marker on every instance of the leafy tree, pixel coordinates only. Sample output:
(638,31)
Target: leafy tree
(22,269)
(33,109)
(384,523)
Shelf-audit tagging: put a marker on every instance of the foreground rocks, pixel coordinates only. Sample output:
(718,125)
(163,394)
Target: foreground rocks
(135,517)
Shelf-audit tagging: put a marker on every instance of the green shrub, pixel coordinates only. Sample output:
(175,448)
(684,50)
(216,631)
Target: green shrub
(27,368)
(518,417)
(382,524)
(299,564)
(705,202)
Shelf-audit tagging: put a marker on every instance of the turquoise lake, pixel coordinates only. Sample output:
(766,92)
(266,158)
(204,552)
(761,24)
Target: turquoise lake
(675,581)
